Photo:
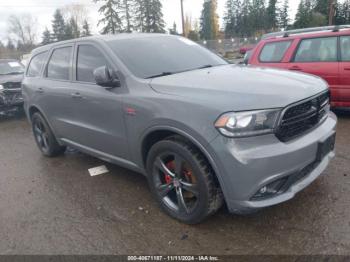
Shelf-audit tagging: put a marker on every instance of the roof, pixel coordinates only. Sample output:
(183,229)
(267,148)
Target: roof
(313,30)
(106,38)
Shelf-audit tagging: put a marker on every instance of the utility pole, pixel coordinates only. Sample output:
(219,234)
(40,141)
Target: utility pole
(182,17)
(331,11)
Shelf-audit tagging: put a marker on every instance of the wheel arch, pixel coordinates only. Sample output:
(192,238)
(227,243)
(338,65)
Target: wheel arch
(32,110)
(35,109)
(157,134)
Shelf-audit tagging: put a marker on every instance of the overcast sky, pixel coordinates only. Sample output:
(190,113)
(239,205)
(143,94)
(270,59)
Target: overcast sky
(43,11)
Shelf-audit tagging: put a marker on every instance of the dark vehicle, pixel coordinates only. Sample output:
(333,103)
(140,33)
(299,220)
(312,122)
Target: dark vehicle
(11,75)
(320,51)
(203,131)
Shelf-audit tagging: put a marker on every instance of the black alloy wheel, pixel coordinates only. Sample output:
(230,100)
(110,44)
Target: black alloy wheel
(44,137)
(182,180)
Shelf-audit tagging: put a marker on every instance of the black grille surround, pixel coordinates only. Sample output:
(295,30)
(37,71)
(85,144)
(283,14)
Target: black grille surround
(299,118)
(11,94)
(12,85)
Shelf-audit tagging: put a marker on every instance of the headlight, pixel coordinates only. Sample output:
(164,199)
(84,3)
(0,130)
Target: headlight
(250,123)
(1,88)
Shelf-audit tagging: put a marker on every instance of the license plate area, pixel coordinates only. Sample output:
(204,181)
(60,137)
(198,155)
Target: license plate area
(325,147)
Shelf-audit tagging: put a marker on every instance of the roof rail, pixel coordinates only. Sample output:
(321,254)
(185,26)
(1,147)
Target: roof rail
(305,30)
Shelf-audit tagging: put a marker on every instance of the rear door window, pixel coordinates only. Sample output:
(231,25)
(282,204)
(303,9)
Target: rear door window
(317,50)
(345,48)
(274,52)
(36,65)
(60,63)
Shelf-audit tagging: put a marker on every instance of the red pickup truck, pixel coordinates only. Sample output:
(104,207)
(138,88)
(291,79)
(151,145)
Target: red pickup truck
(322,51)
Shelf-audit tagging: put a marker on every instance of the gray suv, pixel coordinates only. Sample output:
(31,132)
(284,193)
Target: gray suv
(203,131)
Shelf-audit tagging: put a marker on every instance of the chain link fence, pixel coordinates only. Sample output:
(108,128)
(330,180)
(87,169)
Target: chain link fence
(230,48)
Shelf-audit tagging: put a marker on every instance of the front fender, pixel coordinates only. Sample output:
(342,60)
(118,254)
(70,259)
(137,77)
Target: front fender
(201,143)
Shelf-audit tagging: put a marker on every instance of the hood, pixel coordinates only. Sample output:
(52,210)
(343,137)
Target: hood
(239,88)
(11,78)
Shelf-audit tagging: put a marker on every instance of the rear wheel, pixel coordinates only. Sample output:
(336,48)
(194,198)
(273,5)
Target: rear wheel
(44,137)
(182,181)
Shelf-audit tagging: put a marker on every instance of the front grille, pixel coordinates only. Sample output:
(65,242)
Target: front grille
(11,96)
(12,85)
(302,117)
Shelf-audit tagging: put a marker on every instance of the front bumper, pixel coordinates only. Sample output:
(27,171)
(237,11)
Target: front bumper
(248,164)
(10,99)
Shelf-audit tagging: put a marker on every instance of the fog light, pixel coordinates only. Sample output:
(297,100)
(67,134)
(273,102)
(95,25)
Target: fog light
(270,190)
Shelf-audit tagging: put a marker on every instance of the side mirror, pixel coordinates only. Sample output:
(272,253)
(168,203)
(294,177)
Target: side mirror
(106,77)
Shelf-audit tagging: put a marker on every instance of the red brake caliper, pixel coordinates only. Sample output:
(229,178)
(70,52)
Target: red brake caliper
(188,175)
(171,166)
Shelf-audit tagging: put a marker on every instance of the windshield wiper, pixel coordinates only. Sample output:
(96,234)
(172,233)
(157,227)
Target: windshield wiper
(205,66)
(160,75)
(172,73)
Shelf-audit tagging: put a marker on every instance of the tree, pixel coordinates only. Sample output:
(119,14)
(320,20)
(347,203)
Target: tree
(154,22)
(229,19)
(75,28)
(193,35)
(173,31)
(187,25)
(258,14)
(272,15)
(10,46)
(308,16)
(46,38)
(78,11)
(244,22)
(24,28)
(209,25)
(68,32)
(149,16)
(283,15)
(59,29)
(20,46)
(302,18)
(111,11)
(139,15)
(321,6)
(86,29)
(317,19)
(128,13)
(343,13)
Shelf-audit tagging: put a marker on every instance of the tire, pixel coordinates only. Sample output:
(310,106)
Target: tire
(44,137)
(182,181)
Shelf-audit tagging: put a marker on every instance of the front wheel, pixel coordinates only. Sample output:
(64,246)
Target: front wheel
(182,181)
(44,137)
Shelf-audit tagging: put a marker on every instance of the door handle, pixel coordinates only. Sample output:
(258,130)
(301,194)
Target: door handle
(295,68)
(76,95)
(40,90)
(347,68)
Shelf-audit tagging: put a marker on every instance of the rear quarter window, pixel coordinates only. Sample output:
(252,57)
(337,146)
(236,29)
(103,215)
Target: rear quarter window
(345,48)
(274,52)
(36,64)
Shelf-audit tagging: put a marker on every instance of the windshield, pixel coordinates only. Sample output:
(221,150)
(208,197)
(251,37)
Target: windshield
(163,55)
(11,67)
